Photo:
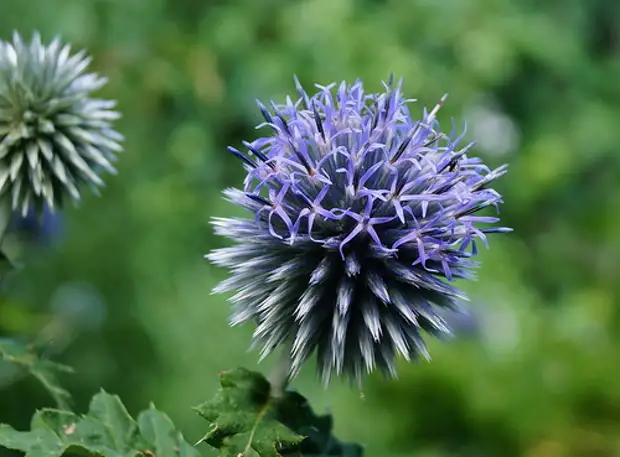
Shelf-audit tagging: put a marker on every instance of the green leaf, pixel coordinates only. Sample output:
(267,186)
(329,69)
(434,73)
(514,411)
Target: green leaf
(45,371)
(295,411)
(119,426)
(158,429)
(246,421)
(107,430)
(243,420)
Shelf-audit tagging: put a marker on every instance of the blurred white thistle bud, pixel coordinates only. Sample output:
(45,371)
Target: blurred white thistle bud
(54,138)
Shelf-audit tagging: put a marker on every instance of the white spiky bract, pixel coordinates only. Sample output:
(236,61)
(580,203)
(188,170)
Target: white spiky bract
(54,137)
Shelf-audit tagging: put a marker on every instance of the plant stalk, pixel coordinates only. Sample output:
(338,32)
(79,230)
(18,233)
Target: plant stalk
(279,376)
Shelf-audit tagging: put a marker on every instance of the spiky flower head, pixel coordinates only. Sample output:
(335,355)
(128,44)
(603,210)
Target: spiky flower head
(362,218)
(53,136)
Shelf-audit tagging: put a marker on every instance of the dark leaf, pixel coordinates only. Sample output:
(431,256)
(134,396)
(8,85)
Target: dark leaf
(247,421)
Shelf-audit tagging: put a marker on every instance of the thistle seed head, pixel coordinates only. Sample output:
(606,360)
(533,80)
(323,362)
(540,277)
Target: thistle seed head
(362,218)
(53,136)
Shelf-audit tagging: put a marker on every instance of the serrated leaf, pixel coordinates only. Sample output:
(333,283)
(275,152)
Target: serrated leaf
(242,417)
(37,443)
(106,430)
(246,421)
(45,371)
(110,411)
(158,429)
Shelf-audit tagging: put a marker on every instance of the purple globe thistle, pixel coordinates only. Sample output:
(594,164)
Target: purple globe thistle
(363,217)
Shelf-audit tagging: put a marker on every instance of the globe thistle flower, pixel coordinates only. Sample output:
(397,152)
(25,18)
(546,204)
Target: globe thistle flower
(53,136)
(362,219)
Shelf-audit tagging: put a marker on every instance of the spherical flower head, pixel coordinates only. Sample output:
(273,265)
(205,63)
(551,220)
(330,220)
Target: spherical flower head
(53,136)
(362,219)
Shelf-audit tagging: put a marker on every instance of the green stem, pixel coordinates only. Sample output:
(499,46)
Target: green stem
(6,211)
(279,376)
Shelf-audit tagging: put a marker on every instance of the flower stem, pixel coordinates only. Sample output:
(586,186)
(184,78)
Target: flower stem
(6,212)
(279,376)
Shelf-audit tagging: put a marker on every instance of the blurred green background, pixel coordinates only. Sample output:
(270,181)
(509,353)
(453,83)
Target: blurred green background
(124,293)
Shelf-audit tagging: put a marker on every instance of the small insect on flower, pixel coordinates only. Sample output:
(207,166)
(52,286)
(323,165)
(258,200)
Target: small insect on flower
(362,218)
(53,136)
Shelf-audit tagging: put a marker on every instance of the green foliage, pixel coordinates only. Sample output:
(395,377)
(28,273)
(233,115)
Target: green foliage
(107,430)
(45,371)
(246,420)
(243,418)
(296,413)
